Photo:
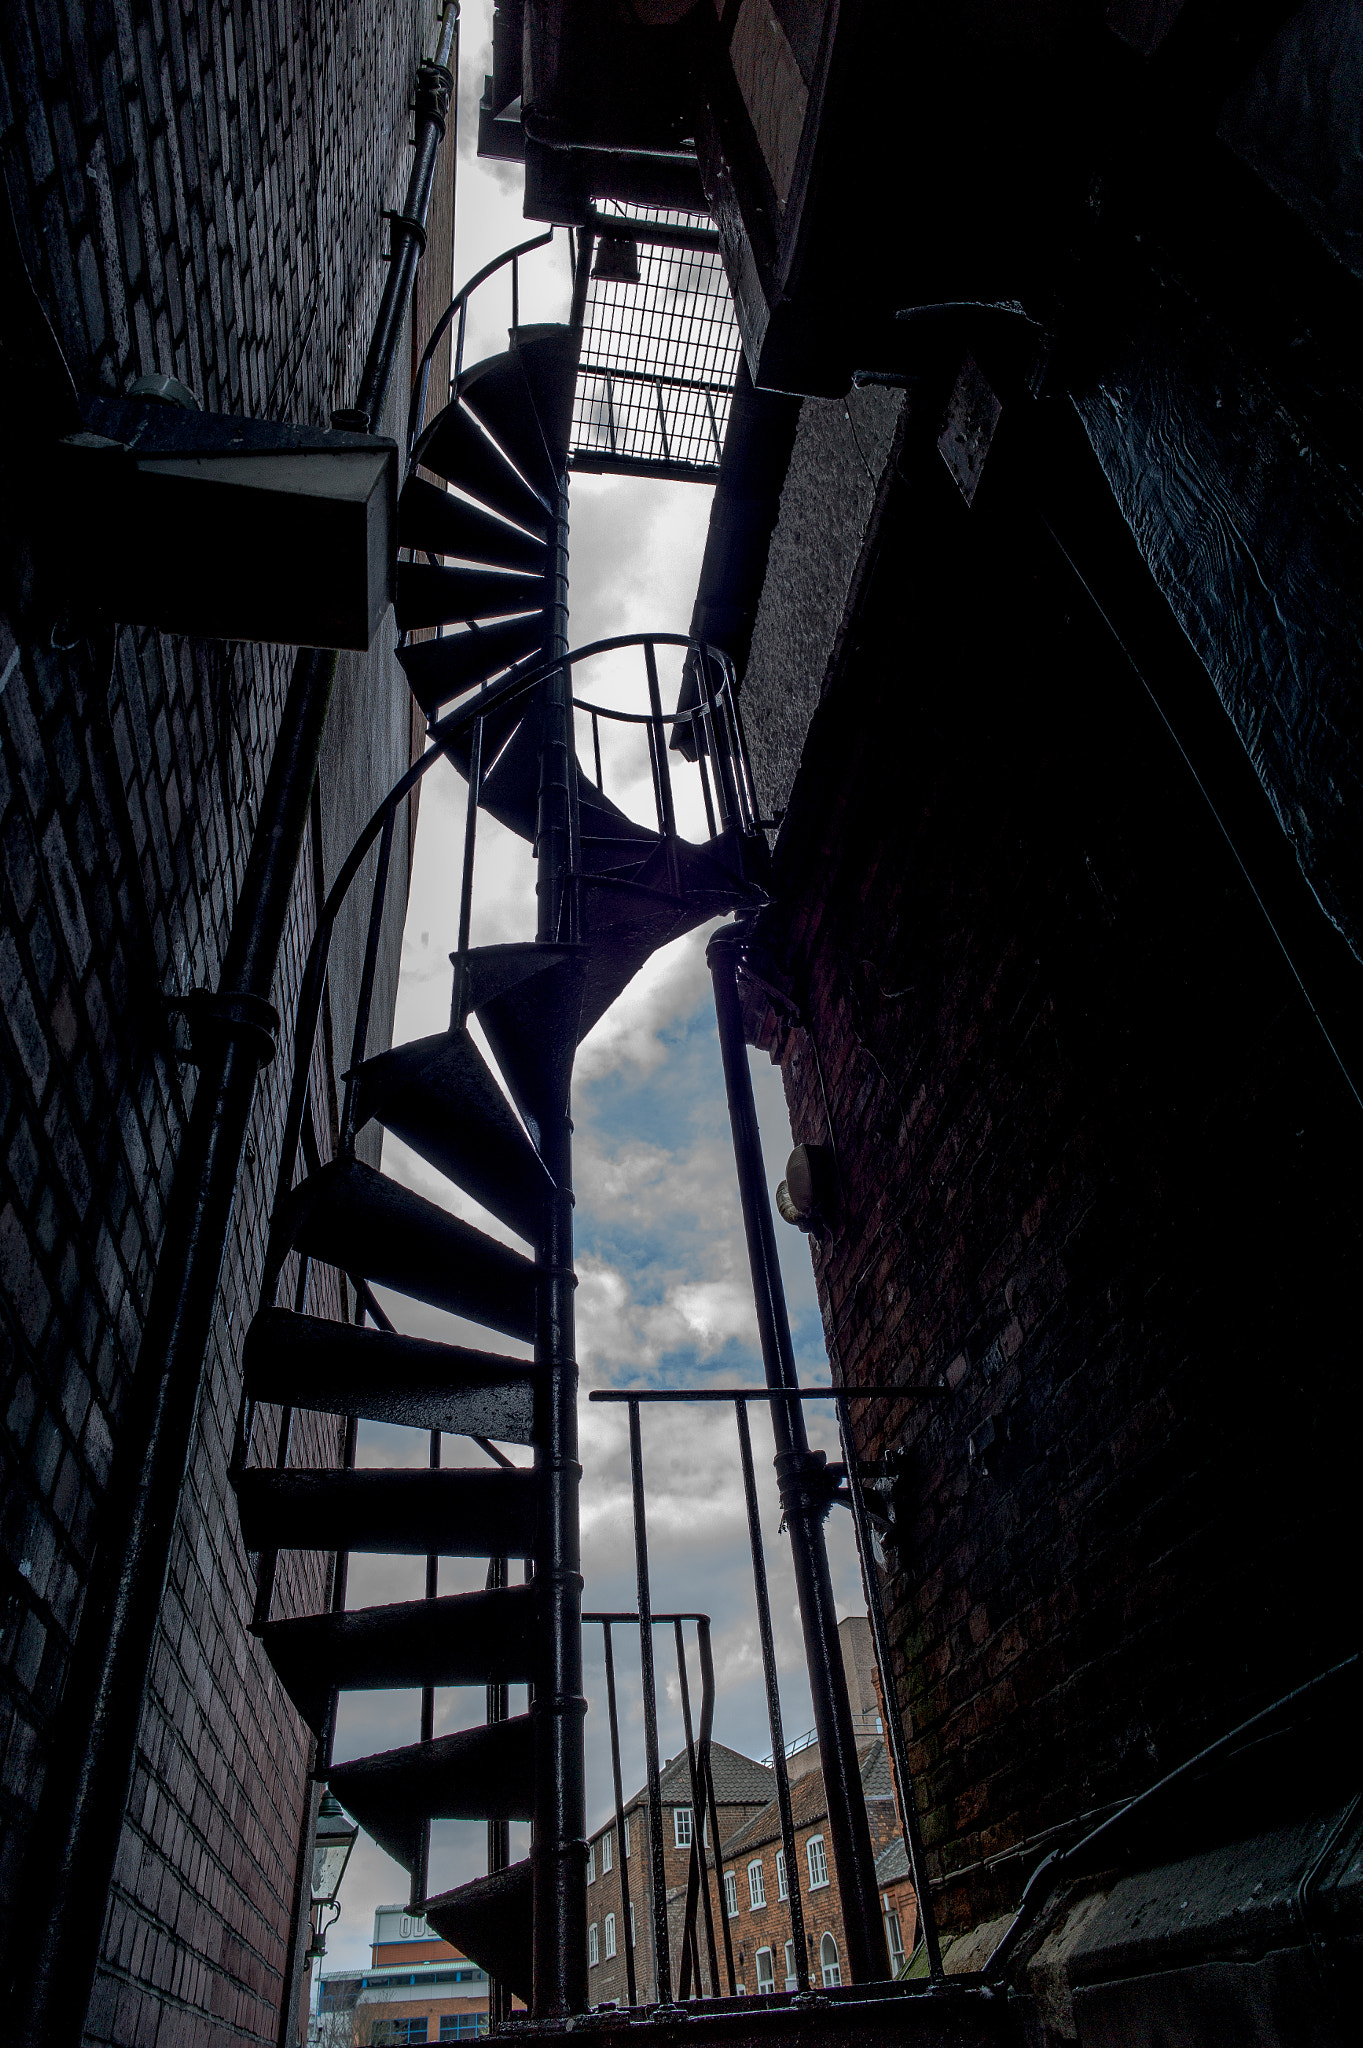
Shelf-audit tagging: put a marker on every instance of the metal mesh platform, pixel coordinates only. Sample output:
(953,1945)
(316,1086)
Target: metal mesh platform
(658,361)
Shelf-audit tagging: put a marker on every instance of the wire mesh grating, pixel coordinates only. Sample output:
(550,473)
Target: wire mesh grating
(658,360)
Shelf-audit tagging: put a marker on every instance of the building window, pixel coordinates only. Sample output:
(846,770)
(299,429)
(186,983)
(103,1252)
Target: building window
(627,1847)
(607,1853)
(818,1862)
(757,1894)
(462,2026)
(397,2033)
(828,1961)
(894,1940)
(792,1981)
(681,1826)
(731,1894)
(591,1863)
(610,1936)
(766,1975)
(593,1946)
(633,1937)
(782,1888)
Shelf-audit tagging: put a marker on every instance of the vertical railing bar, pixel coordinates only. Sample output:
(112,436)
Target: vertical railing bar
(498,1831)
(619,1815)
(744,763)
(705,790)
(697,1819)
(714,427)
(652,732)
(719,753)
(327,1740)
(461,958)
(515,299)
(459,344)
(778,1742)
(707,1708)
(596,749)
(360,1040)
(422,1861)
(899,1755)
(610,411)
(662,1948)
(662,418)
(655,704)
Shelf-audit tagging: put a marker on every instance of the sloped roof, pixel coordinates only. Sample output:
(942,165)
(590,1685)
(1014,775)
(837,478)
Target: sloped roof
(892,1864)
(739,1781)
(809,1803)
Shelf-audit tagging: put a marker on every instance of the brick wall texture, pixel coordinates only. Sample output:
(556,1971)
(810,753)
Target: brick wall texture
(196,189)
(1096,1196)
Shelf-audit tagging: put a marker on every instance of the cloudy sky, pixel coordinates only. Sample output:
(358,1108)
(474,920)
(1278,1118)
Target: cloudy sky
(663,1296)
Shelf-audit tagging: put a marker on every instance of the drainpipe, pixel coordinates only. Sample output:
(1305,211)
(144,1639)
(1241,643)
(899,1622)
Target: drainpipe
(803,1498)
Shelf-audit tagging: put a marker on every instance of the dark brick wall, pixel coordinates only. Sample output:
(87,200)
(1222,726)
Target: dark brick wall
(1097,1193)
(196,189)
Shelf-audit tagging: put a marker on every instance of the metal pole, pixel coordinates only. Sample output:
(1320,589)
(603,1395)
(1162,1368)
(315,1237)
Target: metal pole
(619,1815)
(434,85)
(697,1808)
(461,951)
(868,1956)
(707,1680)
(94,1744)
(559,1854)
(778,1740)
(899,1755)
(661,1945)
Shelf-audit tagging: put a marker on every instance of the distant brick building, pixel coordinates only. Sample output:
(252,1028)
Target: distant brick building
(417,1989)
(757,1885)
(196,192)
(742,1790)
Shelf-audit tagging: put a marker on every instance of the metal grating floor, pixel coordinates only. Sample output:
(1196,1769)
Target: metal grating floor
(658,362)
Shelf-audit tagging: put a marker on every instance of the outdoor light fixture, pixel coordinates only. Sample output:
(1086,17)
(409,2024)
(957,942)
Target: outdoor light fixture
(617,260)
(332,1842)
(805,1196)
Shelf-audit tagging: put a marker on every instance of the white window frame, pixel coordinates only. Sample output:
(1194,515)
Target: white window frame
(610,1936)
(792,1980)
(757,1891)
(767,1986)
(607,1852)
(782,1888)
(831,1972)
(731,1894)
(894,1938)
(627,1848)
(817,1862)
(683,1827)
(593,1946)
(591,1863)
(633,1937)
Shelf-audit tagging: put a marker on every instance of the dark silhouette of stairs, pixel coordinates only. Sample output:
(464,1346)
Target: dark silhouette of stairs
(488,568)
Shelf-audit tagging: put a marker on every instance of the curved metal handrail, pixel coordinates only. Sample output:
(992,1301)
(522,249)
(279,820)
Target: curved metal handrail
(722,733)
(417,410)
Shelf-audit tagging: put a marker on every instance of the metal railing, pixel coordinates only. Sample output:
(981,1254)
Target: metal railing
(458,310)
(840,1485)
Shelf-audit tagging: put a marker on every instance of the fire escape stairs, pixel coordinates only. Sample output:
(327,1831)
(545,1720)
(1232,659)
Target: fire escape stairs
(501,443)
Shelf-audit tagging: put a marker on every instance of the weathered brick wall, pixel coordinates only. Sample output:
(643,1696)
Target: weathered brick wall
(197,190)
(1097,1196)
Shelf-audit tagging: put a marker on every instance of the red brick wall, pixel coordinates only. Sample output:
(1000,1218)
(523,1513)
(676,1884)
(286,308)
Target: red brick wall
(1097,1192)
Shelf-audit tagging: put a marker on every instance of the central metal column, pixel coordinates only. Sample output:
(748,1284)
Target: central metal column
(559,1855)
(867,1954)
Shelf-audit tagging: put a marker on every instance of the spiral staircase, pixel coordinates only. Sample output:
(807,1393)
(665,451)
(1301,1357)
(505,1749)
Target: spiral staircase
(491,562)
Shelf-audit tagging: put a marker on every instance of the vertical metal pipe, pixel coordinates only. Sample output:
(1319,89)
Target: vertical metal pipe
(659,730)
(625,1915)
(868,1957)
(778,1740)
(94,1736)
(661,1944)
(707,1681)
(558,1710)
(498,1831)
(326,1742)
(697,1812)
(894,1730)
(435,84)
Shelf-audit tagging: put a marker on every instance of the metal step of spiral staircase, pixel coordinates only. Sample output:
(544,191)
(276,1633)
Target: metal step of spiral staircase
(482,564)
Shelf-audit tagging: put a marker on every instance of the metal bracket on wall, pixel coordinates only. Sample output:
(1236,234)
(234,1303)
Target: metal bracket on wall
(214,1015)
